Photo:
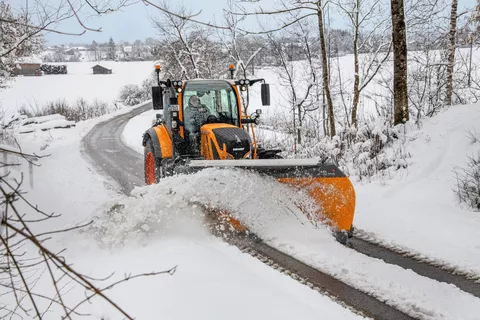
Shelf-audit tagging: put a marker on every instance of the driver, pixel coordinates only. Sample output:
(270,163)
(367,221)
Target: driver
(193,116)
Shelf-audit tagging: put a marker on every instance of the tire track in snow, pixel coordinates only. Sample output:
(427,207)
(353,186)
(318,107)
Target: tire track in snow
(363,243)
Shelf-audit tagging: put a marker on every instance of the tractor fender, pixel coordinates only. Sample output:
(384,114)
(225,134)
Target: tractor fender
(152,135)
(162,144)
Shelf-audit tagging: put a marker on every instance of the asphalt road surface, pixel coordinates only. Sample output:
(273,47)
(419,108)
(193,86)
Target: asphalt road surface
(104,146)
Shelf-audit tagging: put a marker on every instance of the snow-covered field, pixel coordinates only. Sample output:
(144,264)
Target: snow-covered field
(80,82)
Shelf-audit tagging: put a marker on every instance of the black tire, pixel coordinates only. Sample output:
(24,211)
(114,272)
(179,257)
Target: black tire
(152,165)
(351,231)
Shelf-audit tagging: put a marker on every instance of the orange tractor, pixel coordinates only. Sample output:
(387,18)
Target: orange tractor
(203,126)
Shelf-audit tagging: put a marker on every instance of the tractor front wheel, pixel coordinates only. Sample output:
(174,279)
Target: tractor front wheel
(152,168)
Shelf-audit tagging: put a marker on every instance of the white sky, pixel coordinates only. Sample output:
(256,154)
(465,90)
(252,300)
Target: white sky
(133,22)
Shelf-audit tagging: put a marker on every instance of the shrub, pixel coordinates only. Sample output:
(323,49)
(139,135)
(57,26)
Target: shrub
(132,94)
(468,183)
(80,110)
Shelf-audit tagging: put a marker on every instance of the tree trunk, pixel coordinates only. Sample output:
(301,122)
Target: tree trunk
(400,93)
(325,76)
(451,52)
(300,124)
(470,61)
(356,83)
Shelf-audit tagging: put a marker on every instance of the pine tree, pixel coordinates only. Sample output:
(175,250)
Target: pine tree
(111,50)
(94,48)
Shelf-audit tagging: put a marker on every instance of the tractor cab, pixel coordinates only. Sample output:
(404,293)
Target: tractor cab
(203,118)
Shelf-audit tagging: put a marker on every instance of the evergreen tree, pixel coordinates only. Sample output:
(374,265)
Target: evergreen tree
(111,50)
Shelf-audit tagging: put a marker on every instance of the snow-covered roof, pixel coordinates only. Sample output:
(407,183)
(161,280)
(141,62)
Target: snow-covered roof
(97,65)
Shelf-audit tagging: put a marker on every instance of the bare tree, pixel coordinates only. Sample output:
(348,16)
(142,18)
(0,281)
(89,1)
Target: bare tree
(451,52)
(24,251)
(296,11)
(240,50)
(187,49)
(365,14)
(298,77)
(400,92)
(16,40)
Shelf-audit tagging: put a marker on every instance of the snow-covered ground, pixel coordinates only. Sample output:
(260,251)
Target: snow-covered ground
(212,278)
(268,209)
(417,210)
(80,82)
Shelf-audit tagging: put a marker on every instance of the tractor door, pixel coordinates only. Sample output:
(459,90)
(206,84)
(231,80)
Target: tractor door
(167,117)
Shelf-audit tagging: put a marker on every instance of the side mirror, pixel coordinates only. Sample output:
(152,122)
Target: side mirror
(258,111)
(265,94)
(157,98)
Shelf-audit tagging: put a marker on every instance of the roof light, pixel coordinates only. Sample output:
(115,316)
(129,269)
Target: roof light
(231,66)
(157,67)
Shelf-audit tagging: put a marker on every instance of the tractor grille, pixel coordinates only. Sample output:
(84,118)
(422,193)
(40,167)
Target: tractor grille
(236,140)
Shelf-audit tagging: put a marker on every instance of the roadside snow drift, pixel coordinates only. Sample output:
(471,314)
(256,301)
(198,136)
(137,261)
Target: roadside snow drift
(417,211)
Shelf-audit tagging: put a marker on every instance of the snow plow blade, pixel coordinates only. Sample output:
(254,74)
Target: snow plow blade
(331,189)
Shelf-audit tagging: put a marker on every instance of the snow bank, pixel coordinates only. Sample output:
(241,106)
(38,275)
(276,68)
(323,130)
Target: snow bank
(134,129)
(417,211)
(54,121)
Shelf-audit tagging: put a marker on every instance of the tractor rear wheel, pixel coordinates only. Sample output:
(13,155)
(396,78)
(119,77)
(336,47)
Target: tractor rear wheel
(152,168)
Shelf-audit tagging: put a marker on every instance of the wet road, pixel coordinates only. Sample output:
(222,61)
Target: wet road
(104,146)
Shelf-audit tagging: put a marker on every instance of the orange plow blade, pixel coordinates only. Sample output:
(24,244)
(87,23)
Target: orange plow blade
(335,197)
(325,183)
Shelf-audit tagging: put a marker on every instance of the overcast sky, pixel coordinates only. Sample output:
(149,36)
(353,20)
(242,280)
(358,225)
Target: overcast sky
(133,22)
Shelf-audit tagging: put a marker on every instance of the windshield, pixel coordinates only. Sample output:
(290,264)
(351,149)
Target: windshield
(212,100)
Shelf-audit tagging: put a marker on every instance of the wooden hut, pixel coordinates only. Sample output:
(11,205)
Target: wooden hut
(27,66)
(98,69)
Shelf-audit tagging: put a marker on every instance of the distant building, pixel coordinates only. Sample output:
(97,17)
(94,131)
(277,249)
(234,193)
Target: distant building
(28,66)
(98,69)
